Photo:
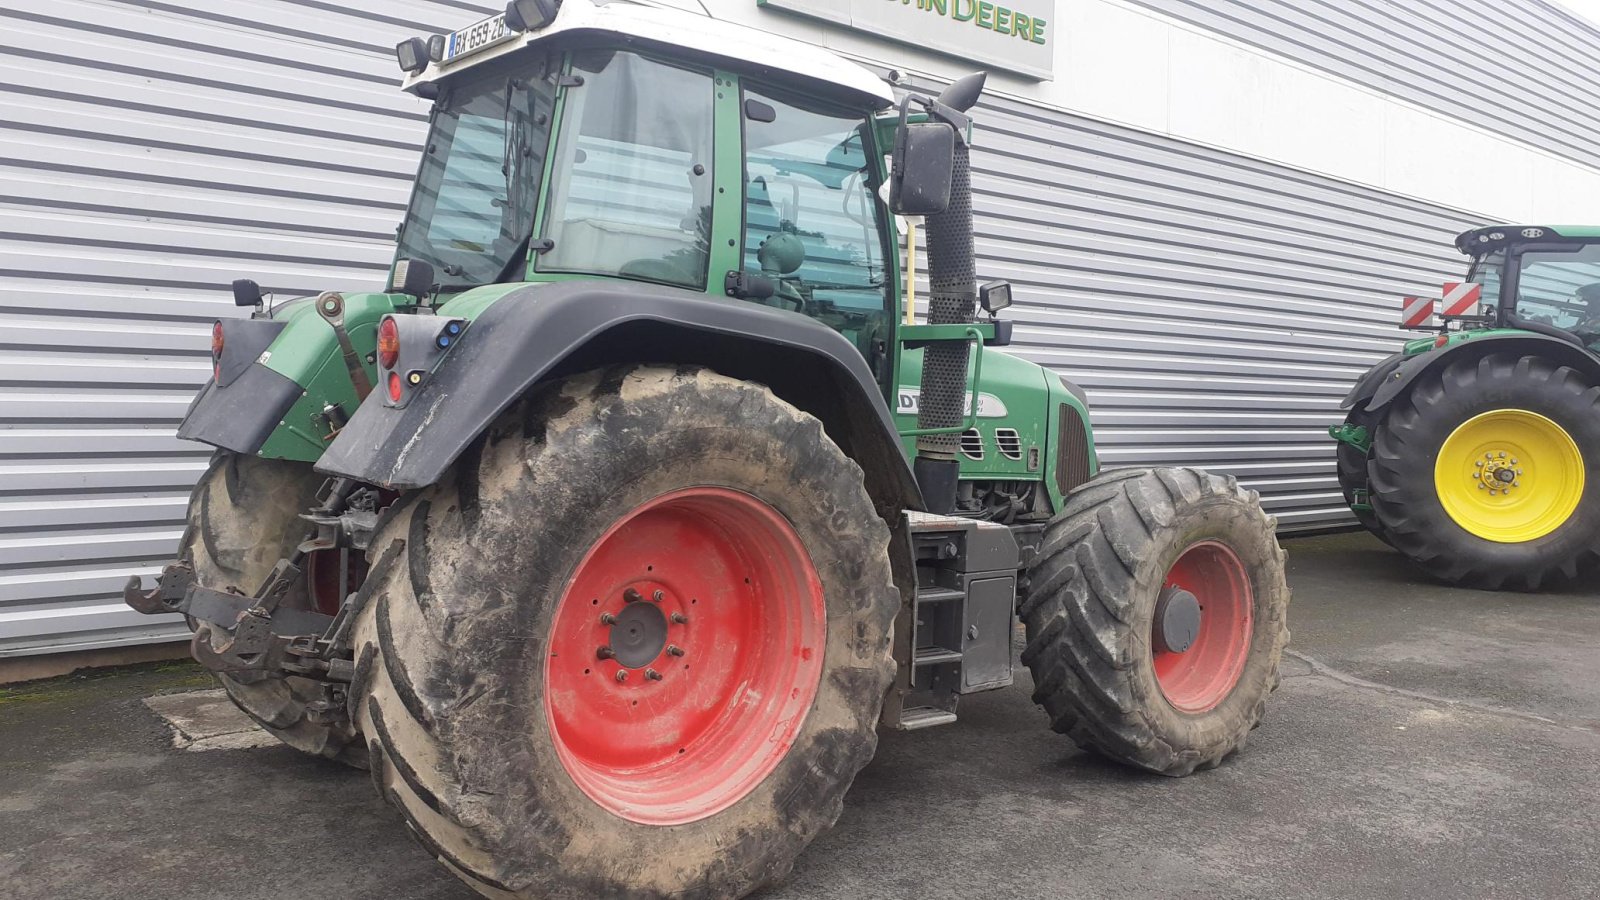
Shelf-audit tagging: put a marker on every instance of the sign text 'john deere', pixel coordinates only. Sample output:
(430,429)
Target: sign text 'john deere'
(1015,35)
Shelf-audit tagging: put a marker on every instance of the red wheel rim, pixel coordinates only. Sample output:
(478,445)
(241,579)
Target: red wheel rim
(322,579)
(730,620)
(1200,677)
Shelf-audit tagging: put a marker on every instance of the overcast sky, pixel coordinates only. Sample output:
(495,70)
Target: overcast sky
(1589,9)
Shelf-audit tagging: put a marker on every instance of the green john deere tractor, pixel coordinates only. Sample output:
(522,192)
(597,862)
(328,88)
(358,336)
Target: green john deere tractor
(1476,451)
(609,535)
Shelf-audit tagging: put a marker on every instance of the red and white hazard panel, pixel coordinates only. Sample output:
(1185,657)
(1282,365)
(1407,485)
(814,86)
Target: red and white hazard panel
(1417,311)
(1461,298)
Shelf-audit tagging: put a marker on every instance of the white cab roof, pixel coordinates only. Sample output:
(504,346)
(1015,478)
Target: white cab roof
(696,33)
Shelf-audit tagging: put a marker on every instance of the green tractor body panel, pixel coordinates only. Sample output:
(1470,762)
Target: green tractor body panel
(307,352)
(1454,338)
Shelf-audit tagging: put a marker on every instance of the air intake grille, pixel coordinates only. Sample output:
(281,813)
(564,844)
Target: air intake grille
(1072,450)
(1010,443)
(972,444)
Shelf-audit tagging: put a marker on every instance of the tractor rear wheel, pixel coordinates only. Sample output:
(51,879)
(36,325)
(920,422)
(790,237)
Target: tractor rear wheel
(244,517)
(1156,618)
(1487,474)
(635,644)
(1351,465)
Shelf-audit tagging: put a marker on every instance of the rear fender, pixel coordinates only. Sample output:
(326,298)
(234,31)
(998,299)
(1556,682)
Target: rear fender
(1399,378)
(539,332)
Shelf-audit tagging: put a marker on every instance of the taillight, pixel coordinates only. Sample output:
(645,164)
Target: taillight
(394,386)
(216,351)
(388,347)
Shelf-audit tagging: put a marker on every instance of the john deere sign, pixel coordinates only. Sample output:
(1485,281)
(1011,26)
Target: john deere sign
(1014,35)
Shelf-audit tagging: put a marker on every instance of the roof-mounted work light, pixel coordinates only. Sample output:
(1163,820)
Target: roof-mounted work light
(530,15)
(412,54)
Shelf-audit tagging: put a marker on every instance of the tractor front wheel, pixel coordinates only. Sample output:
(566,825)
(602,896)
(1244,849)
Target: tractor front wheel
(1487,474)
(636,644)
(1156,618)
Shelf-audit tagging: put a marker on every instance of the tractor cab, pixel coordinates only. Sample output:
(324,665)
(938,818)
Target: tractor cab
(1544,279)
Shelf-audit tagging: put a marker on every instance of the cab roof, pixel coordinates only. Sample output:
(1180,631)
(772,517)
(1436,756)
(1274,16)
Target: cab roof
(736,46)
(1479,241)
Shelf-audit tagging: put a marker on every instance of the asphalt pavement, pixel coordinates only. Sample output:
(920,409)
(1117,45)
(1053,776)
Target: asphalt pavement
(1427,742)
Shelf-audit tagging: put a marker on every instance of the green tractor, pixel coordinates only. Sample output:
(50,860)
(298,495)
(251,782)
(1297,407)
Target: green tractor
(1476,451)
(610,534)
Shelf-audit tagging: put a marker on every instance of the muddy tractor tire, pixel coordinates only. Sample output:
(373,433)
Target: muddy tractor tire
(635,644)
(1155,618)
(1351,466)
(244,517)
(1487,473)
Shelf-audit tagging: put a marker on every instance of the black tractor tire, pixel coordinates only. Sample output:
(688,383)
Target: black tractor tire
(1414,432)
(470,577)
(1351,465)
(1090,615)
(243,518)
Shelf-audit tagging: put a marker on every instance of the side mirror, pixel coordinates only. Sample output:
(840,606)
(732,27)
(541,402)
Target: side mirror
(246,293)
(413,277)
(995,296)
(924,156)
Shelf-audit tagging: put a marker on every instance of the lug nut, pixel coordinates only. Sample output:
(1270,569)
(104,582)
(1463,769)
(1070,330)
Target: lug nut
(659,595)
(631,596)
(680,619)
(1479,463)
(674,650)
(622,675)
(607,619)
(605,653)
(652,674)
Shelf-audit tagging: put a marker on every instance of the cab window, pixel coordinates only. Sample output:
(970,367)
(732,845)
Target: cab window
(1561,288)
(810,215)
(632,183)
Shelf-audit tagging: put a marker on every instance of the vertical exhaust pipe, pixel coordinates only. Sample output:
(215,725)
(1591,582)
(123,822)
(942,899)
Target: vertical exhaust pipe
(952,299)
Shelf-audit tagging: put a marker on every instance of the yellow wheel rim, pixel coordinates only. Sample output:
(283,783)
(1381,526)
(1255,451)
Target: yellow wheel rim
(1509,476)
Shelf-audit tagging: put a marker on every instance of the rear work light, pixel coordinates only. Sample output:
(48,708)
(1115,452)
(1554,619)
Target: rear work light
(388,343)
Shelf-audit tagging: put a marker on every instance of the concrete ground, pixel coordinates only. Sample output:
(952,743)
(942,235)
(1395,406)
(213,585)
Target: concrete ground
(1427,742)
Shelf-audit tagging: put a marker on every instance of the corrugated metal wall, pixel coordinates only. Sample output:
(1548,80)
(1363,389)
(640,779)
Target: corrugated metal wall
(1215,307)
(150,153)
(1521,68)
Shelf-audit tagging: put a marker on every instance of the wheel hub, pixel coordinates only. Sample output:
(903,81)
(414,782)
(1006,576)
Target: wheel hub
(1177,620)
(1497,473)
(638,634)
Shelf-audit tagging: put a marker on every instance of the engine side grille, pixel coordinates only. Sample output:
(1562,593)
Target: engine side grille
(972,444)
(1009,442)
(1072,450)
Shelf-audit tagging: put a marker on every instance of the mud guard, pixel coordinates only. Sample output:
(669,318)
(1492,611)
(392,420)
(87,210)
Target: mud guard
(553,330)
(1390,378)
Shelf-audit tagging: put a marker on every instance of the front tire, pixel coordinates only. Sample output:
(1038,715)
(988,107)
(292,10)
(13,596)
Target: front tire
(1139,562)
(243,517)
(636,644)
(1487,474)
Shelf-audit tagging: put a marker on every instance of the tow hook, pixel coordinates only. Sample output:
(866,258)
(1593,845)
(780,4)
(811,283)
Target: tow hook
(167,596)
(254,637)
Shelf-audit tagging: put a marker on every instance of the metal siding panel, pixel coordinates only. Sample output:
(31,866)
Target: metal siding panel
(1521,68)
(1215,308)
(149,154)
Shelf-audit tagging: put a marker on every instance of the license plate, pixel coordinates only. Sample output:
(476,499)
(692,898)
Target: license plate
(473,38)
